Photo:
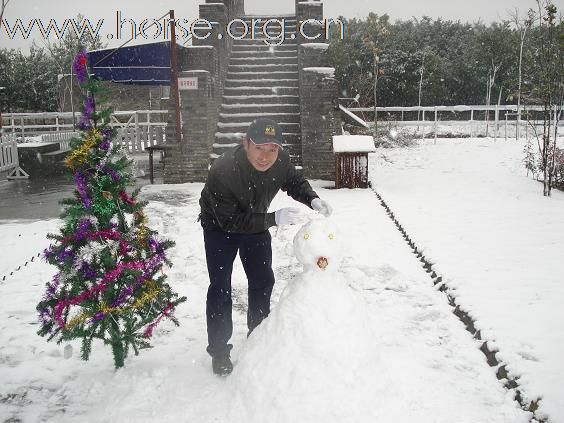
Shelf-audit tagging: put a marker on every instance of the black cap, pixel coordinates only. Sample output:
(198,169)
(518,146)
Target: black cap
(265,131)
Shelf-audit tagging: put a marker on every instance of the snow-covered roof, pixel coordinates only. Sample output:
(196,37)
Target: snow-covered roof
(353,144)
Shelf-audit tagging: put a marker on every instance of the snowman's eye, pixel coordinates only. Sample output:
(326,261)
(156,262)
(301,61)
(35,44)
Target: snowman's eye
(306,236)
(331,236)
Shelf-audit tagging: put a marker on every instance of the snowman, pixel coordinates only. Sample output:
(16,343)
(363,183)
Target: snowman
(315,357)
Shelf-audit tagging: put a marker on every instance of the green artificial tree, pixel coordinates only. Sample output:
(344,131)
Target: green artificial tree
(110,285)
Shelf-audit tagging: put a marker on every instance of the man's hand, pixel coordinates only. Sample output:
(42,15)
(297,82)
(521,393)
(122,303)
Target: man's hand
(321,206)
(288,216)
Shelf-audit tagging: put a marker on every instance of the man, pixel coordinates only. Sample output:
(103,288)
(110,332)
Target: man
(234,204)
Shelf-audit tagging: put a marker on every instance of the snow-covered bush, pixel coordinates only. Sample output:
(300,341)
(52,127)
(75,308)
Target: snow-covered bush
(390,136)
(559,167)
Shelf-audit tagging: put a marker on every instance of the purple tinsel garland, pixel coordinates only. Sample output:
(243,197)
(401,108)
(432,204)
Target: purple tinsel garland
(79,66)
(106,139)
(89,105)
(64,254)
(52,287)
(82,188)
(86,271)
(82,229)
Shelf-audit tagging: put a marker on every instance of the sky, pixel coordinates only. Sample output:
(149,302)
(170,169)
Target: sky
(485,10)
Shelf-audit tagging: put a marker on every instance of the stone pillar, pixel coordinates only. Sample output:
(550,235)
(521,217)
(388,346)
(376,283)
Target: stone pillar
(217,15)
(309,10)
(238,8)
(189,162)
(235,8)
(320,119)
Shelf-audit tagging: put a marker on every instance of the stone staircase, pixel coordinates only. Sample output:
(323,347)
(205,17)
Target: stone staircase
(261,81)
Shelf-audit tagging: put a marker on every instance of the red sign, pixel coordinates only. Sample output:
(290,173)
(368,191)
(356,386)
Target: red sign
(190,83)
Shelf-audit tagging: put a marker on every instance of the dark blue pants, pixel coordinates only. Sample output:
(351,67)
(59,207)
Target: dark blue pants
(255,252)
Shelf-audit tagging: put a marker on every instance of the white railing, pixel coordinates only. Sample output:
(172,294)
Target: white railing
(478,120)
(136,129)
(8,152)
(9,157)
(63,138)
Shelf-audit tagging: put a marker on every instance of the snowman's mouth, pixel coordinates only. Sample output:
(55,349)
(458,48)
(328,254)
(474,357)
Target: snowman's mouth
(322,262)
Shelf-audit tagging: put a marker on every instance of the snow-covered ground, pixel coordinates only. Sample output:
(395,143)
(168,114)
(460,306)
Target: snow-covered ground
(496,241)
(422,364)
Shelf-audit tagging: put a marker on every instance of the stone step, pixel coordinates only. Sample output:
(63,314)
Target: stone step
(232,138)
(294,151)
(249,107)
(261,82)
(261,99)
(266,60)
(273,37)
(263,75)
(262,54)
(251,90)
(242,126)
(249,117)
(261,47)
(265,42)
(273,26)
(249,18)
(273,32)
(263,67)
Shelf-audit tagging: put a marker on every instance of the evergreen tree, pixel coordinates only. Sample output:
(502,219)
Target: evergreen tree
(110,284)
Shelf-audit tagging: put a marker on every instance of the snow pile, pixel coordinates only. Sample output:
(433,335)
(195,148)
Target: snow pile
(317,351)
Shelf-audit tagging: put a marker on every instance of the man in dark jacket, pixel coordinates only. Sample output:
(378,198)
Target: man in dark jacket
(234,215)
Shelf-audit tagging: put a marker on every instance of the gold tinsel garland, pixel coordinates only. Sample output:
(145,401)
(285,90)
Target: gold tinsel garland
(151,293)
(79,156)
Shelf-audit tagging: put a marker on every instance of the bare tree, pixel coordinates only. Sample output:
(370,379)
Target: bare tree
(421,72)
(491,82)
(522,26)
(548,89)
(2,8)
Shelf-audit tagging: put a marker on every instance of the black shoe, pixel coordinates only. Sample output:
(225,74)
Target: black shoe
(222,365)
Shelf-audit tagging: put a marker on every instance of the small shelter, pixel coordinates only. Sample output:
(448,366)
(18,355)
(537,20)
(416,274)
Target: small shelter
(351,160)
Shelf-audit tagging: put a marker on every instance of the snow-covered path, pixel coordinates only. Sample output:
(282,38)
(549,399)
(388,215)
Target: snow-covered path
(435,370)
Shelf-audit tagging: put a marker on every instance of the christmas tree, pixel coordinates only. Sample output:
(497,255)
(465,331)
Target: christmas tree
(110,285)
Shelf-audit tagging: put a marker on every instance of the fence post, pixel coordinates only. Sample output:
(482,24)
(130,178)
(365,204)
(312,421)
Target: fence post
(149,129)
(436,124)
(472,123)
(136,131)
(23,126)
(496,122)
